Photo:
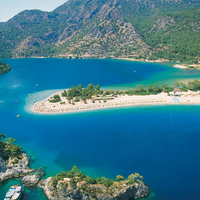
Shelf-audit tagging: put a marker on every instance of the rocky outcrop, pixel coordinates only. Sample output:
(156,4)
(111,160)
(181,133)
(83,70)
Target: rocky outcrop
(13,168)
(110,36)
(137,191)
(30,180)
(163,23)
(68,32)
(116,192)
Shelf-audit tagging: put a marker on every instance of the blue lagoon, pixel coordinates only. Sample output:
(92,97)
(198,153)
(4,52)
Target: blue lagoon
(159,142)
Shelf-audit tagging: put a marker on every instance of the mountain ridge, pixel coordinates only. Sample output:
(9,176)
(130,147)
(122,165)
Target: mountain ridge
(103,28)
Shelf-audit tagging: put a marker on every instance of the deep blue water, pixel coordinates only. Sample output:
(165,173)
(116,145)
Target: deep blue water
(159,142)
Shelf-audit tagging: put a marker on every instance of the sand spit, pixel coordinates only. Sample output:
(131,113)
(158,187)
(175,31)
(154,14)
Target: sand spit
(45,107)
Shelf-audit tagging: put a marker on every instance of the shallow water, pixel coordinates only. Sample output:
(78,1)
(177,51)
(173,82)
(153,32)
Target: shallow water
(159,142)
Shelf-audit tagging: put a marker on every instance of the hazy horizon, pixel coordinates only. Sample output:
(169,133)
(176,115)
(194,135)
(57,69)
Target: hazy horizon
(9,9)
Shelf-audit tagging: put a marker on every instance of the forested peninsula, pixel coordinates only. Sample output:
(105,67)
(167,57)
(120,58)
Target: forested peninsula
(4,68)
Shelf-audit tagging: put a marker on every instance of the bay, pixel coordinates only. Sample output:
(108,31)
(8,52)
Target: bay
(159,142)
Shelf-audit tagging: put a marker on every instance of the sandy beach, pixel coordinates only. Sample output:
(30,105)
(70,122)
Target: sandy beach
(143,60)
(45,107)
(183,66)
(180,66)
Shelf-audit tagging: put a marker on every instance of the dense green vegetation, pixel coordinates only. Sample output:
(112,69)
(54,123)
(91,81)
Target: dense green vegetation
(8,149)
(31,23)
(75,94)
(4,68)
(178,42)
(75,176)
(175,42)
(155,89)
(56,98)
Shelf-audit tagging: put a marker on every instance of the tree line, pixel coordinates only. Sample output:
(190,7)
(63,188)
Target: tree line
(76,94)
(75,176)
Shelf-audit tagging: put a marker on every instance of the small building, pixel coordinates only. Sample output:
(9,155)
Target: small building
(110,95)
(104,98)
(67,179)
(177,92)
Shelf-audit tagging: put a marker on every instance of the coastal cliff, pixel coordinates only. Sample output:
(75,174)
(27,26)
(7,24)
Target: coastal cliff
(82,187)
(137,190)
(8,168)
(13,161)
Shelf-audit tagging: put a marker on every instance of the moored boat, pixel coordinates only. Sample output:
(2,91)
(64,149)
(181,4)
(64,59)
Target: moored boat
(18,193)
(10,192)
(14,193)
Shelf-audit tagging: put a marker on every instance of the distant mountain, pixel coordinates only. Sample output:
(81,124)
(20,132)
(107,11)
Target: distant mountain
(151,29)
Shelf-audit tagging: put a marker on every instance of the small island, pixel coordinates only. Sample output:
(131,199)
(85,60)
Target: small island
(92,97)
(75,185)
(4,68)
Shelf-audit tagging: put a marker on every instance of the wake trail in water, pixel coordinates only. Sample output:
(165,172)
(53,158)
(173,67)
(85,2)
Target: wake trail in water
(170,114)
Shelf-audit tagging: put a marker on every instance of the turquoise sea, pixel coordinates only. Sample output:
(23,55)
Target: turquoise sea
(159,142)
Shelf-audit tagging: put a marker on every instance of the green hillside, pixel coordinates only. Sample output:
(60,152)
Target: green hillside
(178,39)
(107,28)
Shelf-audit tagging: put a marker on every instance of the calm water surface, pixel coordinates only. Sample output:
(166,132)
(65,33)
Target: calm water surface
(159,142)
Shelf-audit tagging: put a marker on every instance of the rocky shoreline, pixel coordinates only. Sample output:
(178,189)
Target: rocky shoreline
(32,179)
(8,169)
(63,190)
(82,187)
(137,190)
(69,185)
(14,163)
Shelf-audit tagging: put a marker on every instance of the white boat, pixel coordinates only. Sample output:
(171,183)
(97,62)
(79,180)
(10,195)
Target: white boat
(18,193)
(10,192)
(14,193)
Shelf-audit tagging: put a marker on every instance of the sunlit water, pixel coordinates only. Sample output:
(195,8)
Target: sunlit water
(159,142)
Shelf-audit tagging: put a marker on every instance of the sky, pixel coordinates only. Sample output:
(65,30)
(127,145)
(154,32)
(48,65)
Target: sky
(9,8)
